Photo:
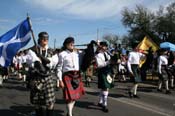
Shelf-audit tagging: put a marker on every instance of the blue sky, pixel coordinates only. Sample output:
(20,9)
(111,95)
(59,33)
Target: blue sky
(77,18)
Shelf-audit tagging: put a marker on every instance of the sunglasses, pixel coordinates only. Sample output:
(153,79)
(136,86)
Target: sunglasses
(45,39)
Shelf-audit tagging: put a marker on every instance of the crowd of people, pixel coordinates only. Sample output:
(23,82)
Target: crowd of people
(37,65)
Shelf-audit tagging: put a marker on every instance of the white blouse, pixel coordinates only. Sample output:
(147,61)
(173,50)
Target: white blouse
(100,59)
(134,58)
(68,61)
(162,60)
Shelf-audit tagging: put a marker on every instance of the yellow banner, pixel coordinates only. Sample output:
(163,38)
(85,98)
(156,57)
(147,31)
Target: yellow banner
(146,43)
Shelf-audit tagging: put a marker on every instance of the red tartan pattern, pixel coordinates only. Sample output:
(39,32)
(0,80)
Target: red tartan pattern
(70,93)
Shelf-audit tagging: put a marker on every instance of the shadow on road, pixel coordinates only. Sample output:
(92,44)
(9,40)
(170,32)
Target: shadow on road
(87,105)
(110,94)
(19,88)
(117,95)
(6,112)
(24,111)
(146,89)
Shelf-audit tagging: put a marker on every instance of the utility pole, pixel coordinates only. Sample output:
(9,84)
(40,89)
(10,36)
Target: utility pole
(97,33)
(54,43)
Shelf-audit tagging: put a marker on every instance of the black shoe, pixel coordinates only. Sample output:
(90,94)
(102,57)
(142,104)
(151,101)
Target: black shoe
(159,90)
(69,115)
(130,94)
(168,92)
(100,104)
(105,109)
(39,112)
(136,96)
(172,87)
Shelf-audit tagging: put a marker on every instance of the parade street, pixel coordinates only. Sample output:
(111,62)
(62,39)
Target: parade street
(15,101)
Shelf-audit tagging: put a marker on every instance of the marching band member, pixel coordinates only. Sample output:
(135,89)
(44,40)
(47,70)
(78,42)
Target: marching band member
(104,80)
(163,71)
(41,83)
(68,74)
(133,68)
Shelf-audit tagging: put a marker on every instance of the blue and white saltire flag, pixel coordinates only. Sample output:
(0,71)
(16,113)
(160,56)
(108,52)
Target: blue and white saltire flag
(12,41)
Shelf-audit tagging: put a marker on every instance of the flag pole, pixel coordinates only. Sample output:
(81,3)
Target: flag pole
(33,37)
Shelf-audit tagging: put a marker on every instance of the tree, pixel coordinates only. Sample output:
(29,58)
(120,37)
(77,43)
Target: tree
(139,21)
(165,23)
(158,26)
(111,39)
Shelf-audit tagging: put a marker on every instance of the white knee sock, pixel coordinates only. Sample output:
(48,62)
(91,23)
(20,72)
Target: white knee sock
(160,85)
(135,89)
(172,82)
(166,85)
(1,80)
(70,107)
(101,97)
(24,78)
(105,97)
(20,76)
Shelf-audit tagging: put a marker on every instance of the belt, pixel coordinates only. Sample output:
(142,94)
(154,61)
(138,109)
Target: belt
(73,72)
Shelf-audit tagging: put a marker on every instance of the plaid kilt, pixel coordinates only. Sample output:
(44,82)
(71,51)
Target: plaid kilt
(70,93)
(136,78)
(45,95)
(102,78)
(164,76)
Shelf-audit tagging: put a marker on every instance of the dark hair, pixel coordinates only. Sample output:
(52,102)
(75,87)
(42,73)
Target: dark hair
(103,43)
(42,35)
(67,41)
(134,45)
(88,56)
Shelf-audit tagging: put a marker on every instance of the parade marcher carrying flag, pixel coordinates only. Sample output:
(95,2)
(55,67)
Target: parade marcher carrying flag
(40,81)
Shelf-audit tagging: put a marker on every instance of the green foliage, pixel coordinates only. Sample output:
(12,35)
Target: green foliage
(159,26)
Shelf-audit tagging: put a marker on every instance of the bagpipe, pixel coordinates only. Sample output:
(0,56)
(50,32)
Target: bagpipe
(89,55)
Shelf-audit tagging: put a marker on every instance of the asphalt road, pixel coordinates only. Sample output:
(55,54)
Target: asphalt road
(14,101)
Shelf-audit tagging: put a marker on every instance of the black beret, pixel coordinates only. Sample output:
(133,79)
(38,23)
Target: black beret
(68,40)
(43,34)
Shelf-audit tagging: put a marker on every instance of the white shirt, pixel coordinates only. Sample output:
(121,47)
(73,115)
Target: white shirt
(162,60)
(121,66)
(53,61)
(24,58)
(134,58)
(31,57)
(68,61)
(100,59)
(19,61)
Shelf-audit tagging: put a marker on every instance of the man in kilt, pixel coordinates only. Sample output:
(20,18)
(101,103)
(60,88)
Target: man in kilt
(39,78)
(163,71)
(68,74)
(134,58)
(104,75)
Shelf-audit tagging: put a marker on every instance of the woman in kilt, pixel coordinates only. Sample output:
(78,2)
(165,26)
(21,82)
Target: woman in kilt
(39,78)
(68,74)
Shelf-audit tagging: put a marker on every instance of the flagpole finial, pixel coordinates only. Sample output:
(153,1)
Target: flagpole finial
(28,15)
(29,21)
